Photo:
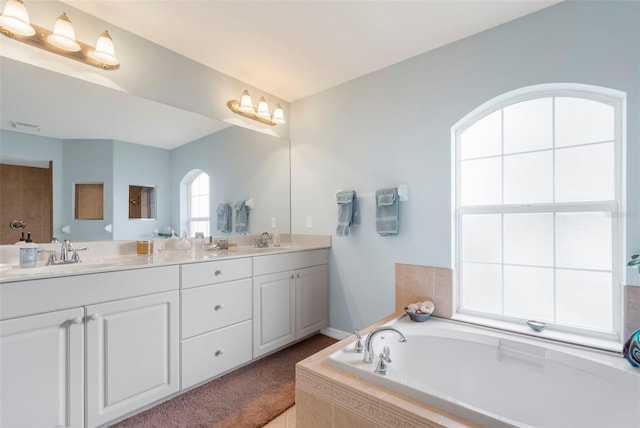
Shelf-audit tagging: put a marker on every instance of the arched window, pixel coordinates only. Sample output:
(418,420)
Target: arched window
(198,217)
(538,192)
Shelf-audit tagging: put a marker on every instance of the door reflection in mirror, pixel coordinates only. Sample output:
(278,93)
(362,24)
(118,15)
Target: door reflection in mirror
(142,202)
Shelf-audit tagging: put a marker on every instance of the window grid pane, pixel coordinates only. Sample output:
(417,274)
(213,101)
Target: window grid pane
(198,217)
(547,250)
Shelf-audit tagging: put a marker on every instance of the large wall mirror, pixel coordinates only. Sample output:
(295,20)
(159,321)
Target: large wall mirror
(94,134)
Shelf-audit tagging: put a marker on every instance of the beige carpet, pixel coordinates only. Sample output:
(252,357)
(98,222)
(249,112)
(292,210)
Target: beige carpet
(246,398)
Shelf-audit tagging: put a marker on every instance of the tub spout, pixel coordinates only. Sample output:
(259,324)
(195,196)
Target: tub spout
(368,344)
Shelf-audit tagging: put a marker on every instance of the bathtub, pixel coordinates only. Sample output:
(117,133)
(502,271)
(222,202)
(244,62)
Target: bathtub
(500,379)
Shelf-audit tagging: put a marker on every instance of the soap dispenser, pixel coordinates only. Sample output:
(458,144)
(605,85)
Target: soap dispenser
(28,253)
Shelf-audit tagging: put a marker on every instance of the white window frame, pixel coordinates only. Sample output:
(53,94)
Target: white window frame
(615,98)
(191,219)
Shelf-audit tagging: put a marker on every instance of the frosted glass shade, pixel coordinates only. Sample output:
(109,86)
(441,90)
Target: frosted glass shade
(105,51)
(278,115)
(16,19)
(246,105)
(263,109)
(64,37)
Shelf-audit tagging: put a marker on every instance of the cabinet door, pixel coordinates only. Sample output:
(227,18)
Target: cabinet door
(42,369)
(132,355)
(312,300)
(273,312)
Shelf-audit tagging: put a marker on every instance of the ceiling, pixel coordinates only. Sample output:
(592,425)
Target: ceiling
(293,49)
(290,49)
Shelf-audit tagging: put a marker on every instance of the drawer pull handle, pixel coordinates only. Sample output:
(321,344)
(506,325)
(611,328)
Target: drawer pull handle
(218,307)
(93,317)
(218,273)
(76,320)
(219,352)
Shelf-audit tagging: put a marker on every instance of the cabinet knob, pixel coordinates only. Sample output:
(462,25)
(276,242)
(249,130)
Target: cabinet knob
(297,275)
(218,273)
(76,320)
(93,317)
(219,352)
(218,307)
(292,276)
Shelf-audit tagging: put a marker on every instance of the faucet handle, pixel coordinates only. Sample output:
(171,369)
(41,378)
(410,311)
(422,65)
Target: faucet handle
(52,259)
(386,354)
(358,347)
(381,367)
(75,257)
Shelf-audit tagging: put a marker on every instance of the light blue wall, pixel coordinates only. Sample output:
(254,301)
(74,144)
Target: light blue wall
(135,164)
(87,161)
(40,148)
(241,164)
(394,126)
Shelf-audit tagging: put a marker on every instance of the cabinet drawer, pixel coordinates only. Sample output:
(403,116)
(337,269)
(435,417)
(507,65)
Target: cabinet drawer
(272,263)
(206,356)
(208,308)
(197,274)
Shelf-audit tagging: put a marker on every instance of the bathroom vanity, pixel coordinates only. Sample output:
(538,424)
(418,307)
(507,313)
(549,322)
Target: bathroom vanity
(92,345)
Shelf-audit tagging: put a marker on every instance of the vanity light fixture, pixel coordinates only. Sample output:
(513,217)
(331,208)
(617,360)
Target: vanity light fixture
(15,24)
(262,114)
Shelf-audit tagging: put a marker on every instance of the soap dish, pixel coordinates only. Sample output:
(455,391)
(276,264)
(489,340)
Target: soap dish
(417,317)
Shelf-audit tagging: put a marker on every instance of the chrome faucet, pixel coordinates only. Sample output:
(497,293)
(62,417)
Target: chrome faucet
(69,254)
(263,240)
(368,343)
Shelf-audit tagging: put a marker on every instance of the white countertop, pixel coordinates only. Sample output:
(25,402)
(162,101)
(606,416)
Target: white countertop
(13,272)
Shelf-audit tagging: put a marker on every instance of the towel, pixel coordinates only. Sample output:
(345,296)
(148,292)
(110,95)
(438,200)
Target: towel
(387,220)
(224,217)
(347,212)
(242,216)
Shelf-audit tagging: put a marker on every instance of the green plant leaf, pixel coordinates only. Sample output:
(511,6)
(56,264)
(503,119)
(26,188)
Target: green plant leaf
(635,256)
(634,262)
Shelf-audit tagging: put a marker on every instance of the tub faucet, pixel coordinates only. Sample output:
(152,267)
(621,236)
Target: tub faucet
(368,343)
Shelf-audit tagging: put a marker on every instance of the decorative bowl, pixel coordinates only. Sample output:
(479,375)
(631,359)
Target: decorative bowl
(417,317)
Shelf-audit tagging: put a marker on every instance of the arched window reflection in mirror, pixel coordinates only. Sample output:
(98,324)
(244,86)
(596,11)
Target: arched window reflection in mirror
(142,202)
(197,203)
(89,203)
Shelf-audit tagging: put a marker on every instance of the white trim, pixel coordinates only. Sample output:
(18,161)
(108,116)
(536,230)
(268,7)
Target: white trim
(334,333)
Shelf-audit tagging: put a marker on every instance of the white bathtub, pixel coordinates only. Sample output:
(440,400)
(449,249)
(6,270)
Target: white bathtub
(499,379)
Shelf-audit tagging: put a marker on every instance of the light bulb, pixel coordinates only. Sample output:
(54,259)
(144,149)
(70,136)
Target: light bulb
(278,115)
(15,18)
(64,37)
(263,109)
(246,105)
(105,51)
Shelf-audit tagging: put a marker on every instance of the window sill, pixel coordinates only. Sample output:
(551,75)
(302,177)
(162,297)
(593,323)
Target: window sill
(603,344)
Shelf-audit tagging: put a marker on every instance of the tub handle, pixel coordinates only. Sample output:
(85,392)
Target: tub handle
(381,367)
(536,325)
(386,354)
(358,347)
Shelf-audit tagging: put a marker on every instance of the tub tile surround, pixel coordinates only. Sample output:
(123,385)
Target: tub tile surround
(328,397)
(631,310)
(418,283)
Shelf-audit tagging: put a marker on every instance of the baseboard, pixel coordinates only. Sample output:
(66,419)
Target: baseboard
(334,333)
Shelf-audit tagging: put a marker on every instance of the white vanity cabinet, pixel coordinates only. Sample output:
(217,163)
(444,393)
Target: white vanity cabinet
(132,355)
(215,318)
(42,370)
(290,298)
(121,332)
